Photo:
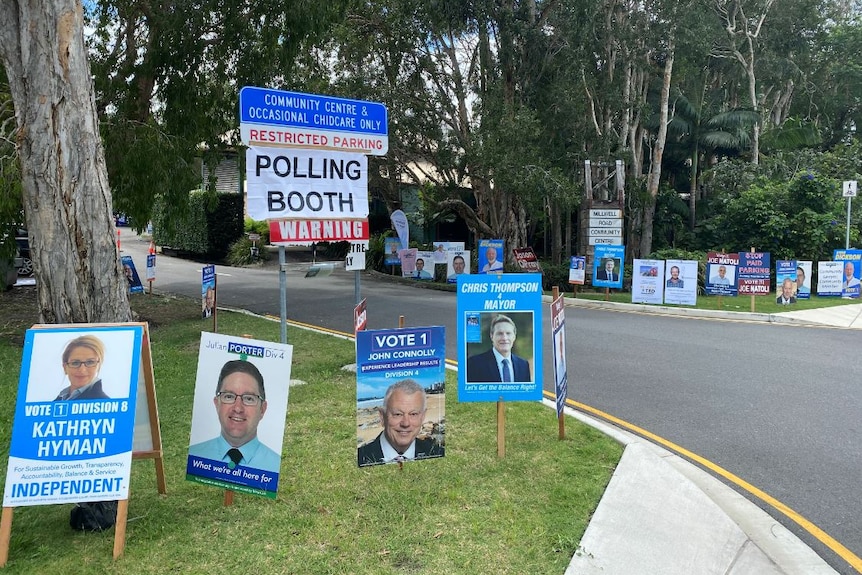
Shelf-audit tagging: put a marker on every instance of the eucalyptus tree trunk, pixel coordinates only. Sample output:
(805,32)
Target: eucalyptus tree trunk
(67,200)
(658,152)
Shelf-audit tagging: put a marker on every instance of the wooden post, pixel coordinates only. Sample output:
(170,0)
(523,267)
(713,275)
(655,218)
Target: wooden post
(607,294)
(5,534)
(719,302)
(400,321)
(228,497)
(120,528)
(501,428)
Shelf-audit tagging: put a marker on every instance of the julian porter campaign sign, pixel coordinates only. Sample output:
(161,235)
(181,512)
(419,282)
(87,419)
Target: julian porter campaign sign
(75,416)
(238,416)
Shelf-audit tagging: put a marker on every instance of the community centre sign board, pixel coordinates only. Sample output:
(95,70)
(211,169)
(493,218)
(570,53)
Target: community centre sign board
(73,443)
(312,122)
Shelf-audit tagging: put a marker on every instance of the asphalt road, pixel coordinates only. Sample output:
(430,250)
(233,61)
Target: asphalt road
(778,406)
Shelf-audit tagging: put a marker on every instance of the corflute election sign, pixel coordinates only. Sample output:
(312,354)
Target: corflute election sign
(75,416)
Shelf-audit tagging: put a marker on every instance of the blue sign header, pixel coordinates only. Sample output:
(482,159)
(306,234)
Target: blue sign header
(311,111)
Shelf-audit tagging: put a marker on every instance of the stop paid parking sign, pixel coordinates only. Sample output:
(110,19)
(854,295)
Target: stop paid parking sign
(316,184)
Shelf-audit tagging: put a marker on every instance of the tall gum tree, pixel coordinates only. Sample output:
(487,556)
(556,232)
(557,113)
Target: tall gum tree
(67,200)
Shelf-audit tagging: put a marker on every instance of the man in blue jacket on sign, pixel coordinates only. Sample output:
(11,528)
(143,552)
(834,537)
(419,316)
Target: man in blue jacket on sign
(240,402)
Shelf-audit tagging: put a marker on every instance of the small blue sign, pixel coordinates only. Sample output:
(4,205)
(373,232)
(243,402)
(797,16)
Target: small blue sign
(311,111)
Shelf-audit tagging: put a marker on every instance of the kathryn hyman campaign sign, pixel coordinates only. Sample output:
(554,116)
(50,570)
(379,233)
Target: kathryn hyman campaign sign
(75,416)
(307,184)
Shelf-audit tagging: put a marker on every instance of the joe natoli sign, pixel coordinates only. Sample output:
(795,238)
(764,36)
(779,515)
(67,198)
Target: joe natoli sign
(313,184)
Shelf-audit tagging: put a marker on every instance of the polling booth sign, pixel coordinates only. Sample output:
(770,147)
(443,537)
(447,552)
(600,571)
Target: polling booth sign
(313,184)
(74,423)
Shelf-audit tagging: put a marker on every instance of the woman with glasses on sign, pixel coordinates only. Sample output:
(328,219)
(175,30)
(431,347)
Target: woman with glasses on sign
(82,360)
(240,402)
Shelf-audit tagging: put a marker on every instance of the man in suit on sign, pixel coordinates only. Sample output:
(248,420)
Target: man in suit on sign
(499,364)
(402,415)
(607,273)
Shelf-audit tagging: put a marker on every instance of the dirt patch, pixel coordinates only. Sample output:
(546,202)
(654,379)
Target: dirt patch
(19,311)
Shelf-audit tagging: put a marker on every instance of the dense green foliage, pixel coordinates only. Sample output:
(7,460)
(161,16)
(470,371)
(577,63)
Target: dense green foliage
(209,226)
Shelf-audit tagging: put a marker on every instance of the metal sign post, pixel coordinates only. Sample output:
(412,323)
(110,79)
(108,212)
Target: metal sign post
(849,189)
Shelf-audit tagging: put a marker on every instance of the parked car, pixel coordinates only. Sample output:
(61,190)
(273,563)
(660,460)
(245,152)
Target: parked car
(25,269)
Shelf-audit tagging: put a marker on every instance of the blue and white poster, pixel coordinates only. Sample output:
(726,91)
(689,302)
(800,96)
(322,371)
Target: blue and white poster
(491,254)
(208,291)
(400,395)
(851,261)
(75,416)
(131,275)
(391,247)
(830,277)
(803,279)
(238,415)
(506,361)
(648,281)
(785,281)
(577,270)
(558,341)
(608,264)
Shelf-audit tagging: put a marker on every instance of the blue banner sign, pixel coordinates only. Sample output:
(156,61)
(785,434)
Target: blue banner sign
(312,111)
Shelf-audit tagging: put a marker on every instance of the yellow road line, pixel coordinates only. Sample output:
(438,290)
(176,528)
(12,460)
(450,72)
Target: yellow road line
(810,527)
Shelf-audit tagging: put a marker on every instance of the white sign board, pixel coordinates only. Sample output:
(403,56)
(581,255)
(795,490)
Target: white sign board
(606,232)
(606,222)
(606,214)
(355,260)
(596,241)
(849,189)
(312,184)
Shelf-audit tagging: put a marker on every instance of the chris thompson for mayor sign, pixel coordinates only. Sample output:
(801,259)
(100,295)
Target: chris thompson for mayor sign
(75,416)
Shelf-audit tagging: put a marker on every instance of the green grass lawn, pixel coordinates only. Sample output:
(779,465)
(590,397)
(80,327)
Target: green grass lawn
(469,512)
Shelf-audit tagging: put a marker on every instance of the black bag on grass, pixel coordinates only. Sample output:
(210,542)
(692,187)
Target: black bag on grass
(93,516)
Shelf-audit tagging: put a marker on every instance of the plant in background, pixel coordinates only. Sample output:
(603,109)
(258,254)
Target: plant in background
(257,227)
(243,252)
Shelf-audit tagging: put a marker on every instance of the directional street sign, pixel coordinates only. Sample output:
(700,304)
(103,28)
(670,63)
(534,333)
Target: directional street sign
(311,121)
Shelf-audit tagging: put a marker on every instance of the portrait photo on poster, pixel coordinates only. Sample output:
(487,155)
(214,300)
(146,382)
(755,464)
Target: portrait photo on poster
(81,364)
(240,401)
(505,353)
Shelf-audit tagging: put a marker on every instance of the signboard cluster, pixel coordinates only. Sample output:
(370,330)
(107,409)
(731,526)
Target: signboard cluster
(306,165)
